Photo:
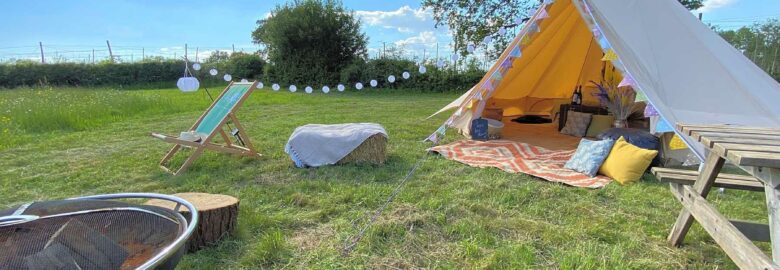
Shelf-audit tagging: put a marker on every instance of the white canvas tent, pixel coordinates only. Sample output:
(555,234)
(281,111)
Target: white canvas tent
(686,71)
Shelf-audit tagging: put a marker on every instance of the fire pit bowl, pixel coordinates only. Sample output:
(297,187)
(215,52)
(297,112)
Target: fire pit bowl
(95,232)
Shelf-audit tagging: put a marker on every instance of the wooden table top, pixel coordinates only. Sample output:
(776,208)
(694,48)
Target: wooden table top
(743,146)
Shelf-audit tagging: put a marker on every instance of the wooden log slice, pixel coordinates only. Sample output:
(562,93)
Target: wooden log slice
(218,216)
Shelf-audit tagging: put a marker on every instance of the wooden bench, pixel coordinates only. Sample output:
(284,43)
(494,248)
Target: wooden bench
(678,178)
(688,178)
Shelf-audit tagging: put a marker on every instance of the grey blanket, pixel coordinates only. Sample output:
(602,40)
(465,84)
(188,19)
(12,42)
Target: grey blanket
(318,145)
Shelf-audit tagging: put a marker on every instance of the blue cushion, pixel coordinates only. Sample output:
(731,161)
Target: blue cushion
(589,156)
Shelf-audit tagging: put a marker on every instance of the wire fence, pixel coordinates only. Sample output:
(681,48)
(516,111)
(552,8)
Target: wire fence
(765,53)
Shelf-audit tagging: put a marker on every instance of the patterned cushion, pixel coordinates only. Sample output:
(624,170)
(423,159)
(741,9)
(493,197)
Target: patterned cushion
(577,124)
(589,156)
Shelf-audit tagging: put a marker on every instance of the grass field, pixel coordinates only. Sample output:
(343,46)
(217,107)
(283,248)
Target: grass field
(70,142)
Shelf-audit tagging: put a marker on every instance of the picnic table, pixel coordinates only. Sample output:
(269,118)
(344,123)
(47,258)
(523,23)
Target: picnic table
(757,152)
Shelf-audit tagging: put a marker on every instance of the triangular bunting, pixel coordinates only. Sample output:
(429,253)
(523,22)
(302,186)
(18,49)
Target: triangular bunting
(442,130)
(543,15)
(516,52)
(507,64)
(434,138)
(525,40)
(498,76)
(596,32)
(627,81)
(610,56)
(534,28)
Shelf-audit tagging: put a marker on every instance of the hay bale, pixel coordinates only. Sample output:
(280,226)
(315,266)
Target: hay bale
(372,150)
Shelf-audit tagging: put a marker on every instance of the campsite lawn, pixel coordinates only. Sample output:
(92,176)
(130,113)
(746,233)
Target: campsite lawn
(70,142)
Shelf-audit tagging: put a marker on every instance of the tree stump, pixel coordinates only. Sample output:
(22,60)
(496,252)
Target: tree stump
(218,216)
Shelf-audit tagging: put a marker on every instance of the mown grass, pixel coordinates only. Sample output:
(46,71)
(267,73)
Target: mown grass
(448,216)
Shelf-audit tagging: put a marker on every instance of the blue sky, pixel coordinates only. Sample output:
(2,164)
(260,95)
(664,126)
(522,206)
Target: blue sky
(162,27)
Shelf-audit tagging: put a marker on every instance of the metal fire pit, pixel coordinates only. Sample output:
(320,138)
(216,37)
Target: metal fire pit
(95,232)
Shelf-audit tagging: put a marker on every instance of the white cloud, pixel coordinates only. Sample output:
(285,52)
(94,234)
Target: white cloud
(710,5)
(404,20)
(426,38)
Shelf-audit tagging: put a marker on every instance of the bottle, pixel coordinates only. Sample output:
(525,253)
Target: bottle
(574,96)
(579,95)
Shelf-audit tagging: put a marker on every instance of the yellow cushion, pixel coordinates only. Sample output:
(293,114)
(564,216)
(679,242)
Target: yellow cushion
(627,163)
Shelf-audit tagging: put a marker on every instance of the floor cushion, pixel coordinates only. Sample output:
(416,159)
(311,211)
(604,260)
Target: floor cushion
(589,156)
(577,124)
(627,163)
(599,124)
(637,137)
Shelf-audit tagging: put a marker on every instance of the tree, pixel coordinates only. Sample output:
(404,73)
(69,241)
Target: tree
(310,41)
(472,21)
(759,42)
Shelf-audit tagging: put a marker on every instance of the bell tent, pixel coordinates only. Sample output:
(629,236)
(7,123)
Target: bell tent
(687,72)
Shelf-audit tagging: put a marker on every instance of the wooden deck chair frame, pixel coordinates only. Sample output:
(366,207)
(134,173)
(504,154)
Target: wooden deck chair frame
(207,142)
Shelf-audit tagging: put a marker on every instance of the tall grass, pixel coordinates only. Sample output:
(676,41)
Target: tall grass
(30,112)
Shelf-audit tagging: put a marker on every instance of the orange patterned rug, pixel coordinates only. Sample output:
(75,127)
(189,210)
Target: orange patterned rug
(517,157)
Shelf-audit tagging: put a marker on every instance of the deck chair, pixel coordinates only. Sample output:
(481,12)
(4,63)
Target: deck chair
(212,123)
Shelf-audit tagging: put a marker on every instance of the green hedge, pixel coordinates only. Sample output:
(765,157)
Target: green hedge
(158,72)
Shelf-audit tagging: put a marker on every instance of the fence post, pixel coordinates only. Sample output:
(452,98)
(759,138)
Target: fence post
(43,60)
(110,53)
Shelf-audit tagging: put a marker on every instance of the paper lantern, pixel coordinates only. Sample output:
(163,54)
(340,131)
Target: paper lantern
(471,48)
(308,90)
(260,85)
(374,83)
(341,88)
(487,40)
(519,20)
(227,77)
(455,57)
(440,63)
(293,88)
(276,87)
(196,66)
(244,81)
(423,70)
(213,72)
(326,89)
(359,86)
(406,75)
(188,84)
(502,31)
(391,78)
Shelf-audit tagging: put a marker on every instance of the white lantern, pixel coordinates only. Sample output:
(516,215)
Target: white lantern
(341,88)
(391,78)
(227,77)
(406,75)
(188,84)
(326,89)
(440,63)
(293,88)
(487,40)
(359,86)
(196,66)
(213,72)
(276,87)
(308,90)
(244,81)
(502,31)
(374,83)
(455,57)
(423,70)
(471,48)
(519,20)
(260,85)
